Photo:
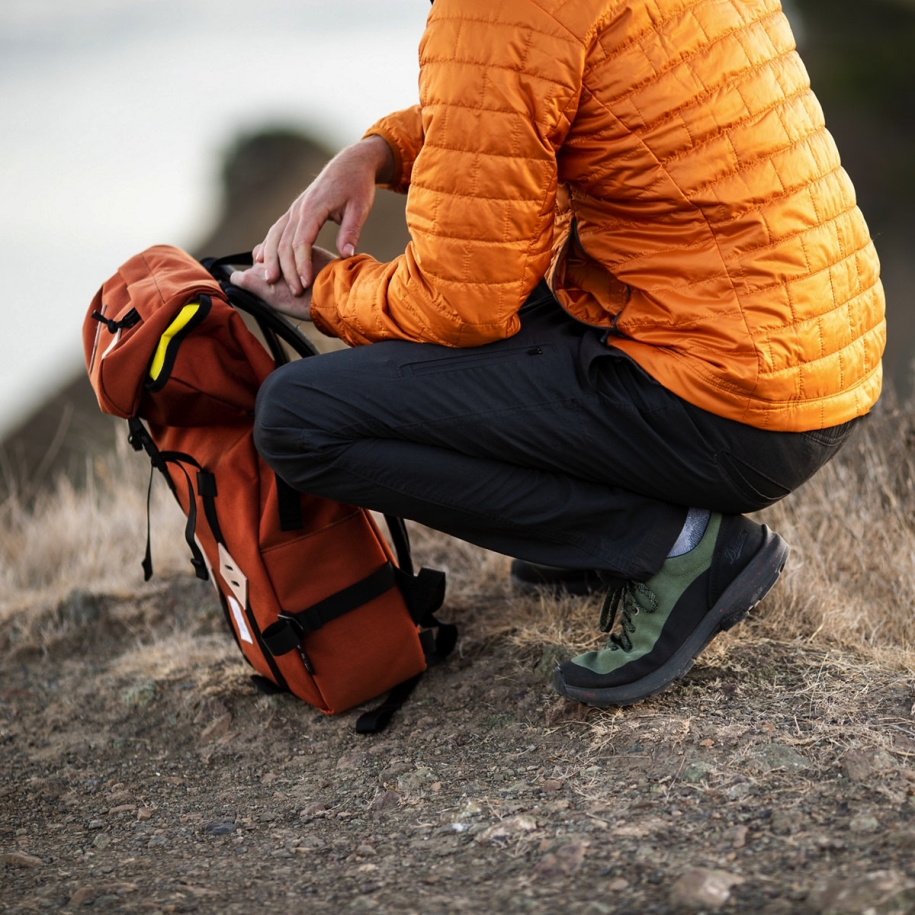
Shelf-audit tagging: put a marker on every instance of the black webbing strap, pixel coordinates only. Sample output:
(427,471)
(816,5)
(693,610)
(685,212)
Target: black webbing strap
(423,593)
(287,633)
(139,439)
(206,486)
(377,719)
(401,540)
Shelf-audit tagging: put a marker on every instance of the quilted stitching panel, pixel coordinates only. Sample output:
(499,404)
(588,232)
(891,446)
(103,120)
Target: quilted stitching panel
(684,138)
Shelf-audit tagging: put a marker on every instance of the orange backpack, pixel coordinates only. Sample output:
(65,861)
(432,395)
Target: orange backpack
(311,590)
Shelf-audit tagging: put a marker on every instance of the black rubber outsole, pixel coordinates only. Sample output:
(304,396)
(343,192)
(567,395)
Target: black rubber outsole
(740,597)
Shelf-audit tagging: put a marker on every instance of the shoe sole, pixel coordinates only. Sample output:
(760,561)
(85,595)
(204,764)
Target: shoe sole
(740,597)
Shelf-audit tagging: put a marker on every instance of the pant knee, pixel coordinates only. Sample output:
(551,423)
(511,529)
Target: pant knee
(274,428)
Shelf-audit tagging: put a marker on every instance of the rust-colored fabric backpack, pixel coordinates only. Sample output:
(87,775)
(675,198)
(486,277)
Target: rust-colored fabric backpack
(315,597)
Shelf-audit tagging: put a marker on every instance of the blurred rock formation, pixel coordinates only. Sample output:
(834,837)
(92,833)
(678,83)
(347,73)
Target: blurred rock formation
(262,173)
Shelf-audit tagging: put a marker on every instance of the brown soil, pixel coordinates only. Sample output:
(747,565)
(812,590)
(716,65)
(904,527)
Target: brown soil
(142,772)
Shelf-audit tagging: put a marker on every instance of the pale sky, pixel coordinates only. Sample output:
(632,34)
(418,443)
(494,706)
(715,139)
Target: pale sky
(114,114)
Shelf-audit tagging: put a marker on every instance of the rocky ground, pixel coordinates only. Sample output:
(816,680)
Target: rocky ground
(142,772)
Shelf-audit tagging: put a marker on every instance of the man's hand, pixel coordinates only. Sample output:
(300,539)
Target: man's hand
(278,295)
(342,193)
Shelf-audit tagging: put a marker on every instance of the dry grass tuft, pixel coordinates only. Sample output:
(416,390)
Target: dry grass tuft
(849,583)
(92,538)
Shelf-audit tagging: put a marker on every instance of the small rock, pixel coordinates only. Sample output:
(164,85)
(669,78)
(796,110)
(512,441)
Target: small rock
(738,791)
(864,822)
(314,809)
(219,829)
(507,829)
(788,822)
(395,769)
(701,888)
(20,859)
(351,761)
(552,784)
(617,885)
(95,824)
(778,756)
(144,814)
(121,808)
(156,842)
(862,765)
(216,729)
(101,841)
(387,800)
(416,780)
(564,862)
(697,771)
(737,836)
(140,695)
(83,895)
(880,892)
(901,838)
(366,851)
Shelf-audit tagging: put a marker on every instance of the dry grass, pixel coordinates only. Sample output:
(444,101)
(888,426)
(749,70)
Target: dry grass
(849,584)
(93,538)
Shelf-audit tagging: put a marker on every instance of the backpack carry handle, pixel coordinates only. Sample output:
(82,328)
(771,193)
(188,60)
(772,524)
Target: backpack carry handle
(272,324)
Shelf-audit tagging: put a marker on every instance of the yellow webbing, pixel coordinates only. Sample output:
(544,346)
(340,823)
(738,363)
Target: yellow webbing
(180,322)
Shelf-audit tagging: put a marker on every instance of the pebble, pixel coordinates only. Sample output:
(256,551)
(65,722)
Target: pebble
(563,862)
(83,895)
(102,840)
(416,780)
(507,829)
(312,810)
(697,771)
(366,851)
(121,808)
(861,765)
(216,729)
(20,859)
(140,695)
(879,891)
(144,814)
(778,756)
(702,888)
(864,822)
(219,829)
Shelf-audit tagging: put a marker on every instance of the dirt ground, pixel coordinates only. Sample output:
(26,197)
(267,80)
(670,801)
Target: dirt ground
(142,772)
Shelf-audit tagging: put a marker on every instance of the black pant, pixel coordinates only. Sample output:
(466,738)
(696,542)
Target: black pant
(548,446)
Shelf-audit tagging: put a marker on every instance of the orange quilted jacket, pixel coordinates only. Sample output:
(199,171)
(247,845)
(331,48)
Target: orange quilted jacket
(665,165)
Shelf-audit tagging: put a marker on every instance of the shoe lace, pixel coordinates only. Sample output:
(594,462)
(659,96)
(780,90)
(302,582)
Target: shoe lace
(626,601)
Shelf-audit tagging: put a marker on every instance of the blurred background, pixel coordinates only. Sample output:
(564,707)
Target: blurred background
(126,123)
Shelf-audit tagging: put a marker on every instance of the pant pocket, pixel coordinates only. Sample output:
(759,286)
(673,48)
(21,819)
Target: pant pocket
(476,358)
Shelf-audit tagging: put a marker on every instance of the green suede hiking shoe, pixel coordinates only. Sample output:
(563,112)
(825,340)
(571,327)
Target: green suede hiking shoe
(665,622)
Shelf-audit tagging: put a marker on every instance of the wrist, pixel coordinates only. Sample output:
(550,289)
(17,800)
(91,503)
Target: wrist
(382,158)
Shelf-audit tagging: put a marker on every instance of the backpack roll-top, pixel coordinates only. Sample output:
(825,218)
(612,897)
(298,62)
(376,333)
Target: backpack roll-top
(316,599)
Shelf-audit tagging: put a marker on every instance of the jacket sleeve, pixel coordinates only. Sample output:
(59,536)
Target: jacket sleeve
(499,85)
(403,132)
